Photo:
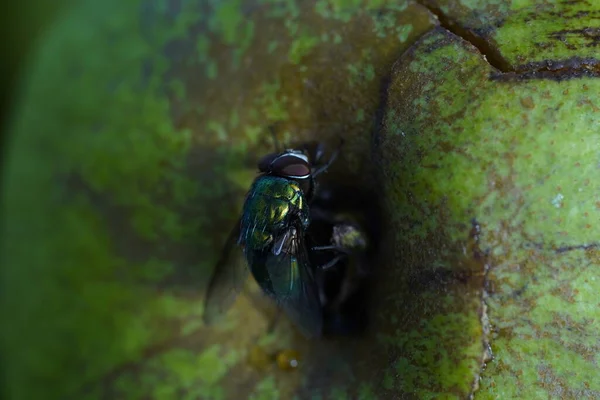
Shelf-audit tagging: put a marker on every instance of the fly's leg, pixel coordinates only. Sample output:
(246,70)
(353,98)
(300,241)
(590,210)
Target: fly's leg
(314,157)
(323,168)
(333,262)
(318,153)
(331,247)
(341,253)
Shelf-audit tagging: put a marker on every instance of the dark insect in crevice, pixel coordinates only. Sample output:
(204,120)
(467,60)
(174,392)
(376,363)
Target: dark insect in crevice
(344,238)
(306,245)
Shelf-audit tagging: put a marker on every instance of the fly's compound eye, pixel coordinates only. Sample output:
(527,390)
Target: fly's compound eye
(291,165)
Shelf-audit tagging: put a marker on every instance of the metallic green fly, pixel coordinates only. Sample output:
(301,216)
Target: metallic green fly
(269,241)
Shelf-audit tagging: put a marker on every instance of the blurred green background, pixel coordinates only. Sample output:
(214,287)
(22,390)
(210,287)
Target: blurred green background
(22,23)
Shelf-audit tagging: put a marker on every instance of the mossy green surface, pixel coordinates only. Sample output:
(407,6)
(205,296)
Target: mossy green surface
(519,157)
(135,136)
(134,139)
(530,34)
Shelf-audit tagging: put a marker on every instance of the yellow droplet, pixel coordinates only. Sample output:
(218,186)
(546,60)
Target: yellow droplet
(288,360)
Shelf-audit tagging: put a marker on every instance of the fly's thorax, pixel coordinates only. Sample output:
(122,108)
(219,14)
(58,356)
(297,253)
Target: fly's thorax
(275,187)
(272,205)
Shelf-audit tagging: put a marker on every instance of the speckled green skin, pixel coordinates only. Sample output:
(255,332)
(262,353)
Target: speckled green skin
(520,157)
(526,35)
(135,137)
(133,142)
(272,204)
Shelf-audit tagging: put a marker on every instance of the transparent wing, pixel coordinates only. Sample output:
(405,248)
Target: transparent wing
(227,280)
(294,286)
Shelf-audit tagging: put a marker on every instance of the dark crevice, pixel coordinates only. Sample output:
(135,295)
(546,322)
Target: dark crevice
(346,287)
(560,250)
(582,247)
(492,54)
(379,118)
(482,257)
(588,70)
(559,70)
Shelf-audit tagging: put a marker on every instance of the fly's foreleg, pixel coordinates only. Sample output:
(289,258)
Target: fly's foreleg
(334,155)
(340,254)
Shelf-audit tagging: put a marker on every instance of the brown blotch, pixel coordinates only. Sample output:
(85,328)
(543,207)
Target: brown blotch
(589,103)
(565,293)
(527,102)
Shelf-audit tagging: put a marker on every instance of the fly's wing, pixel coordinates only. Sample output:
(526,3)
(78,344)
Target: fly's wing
(294,286)
(227,279)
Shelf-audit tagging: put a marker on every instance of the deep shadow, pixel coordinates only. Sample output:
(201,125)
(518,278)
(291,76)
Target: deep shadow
(346,285)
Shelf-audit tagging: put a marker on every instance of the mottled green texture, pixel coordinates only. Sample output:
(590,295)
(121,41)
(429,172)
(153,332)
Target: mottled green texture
(71,262)
(136,135)
(520,157)
(544,309)
(132,145)
(312,67)
(178,373)
(545,33)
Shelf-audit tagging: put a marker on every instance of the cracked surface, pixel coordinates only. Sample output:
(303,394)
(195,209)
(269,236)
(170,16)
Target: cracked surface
(117,202)
(131,154)
(525,36)
(510,154)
